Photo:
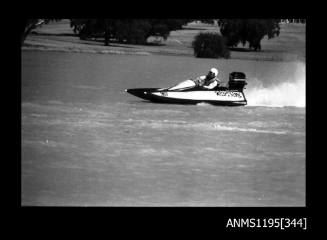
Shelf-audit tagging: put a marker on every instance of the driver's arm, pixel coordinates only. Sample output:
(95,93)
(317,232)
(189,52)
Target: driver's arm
(211,85)
(199,80)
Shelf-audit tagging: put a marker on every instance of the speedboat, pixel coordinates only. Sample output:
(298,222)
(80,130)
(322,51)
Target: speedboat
(230,95)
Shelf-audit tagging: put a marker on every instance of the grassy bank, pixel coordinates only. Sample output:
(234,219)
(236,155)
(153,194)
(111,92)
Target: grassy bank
(58,36)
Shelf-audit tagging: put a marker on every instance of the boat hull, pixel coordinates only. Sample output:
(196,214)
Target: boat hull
(223,97)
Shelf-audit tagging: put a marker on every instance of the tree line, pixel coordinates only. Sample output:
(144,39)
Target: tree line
(133,31)
(137,31)
(250,31)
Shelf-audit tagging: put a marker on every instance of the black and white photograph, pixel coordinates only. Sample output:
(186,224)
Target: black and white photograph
(163,112)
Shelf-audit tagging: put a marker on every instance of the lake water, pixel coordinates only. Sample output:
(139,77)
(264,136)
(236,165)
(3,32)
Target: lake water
(85,142)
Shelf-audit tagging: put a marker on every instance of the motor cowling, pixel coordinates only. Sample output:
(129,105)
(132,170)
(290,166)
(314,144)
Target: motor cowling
(237,81)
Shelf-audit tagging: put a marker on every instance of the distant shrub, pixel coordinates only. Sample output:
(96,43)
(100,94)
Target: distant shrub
(210,45)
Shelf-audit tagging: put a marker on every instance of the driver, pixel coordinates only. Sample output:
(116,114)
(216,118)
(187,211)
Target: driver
(208,81)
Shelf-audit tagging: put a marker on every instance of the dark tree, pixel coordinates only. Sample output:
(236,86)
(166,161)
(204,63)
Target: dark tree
(248,30)
(93,28)
(135,31)
(130,30)
(29,24)
(162,27)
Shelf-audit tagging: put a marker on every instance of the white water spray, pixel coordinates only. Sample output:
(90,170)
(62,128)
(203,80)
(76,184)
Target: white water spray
(290,92)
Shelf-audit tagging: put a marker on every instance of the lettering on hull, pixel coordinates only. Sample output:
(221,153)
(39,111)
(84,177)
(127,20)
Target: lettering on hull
(229,94)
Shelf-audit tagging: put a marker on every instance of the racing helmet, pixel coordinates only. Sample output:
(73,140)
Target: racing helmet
(214,71)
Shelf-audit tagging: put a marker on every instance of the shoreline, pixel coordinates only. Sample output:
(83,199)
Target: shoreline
(44,48)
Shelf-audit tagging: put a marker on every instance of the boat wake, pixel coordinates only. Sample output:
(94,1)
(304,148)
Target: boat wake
(289,93)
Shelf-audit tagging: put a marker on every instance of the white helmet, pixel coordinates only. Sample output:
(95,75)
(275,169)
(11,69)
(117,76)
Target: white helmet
(214,71)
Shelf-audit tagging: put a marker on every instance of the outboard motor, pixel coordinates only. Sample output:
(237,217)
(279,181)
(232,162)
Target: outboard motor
(237,81)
